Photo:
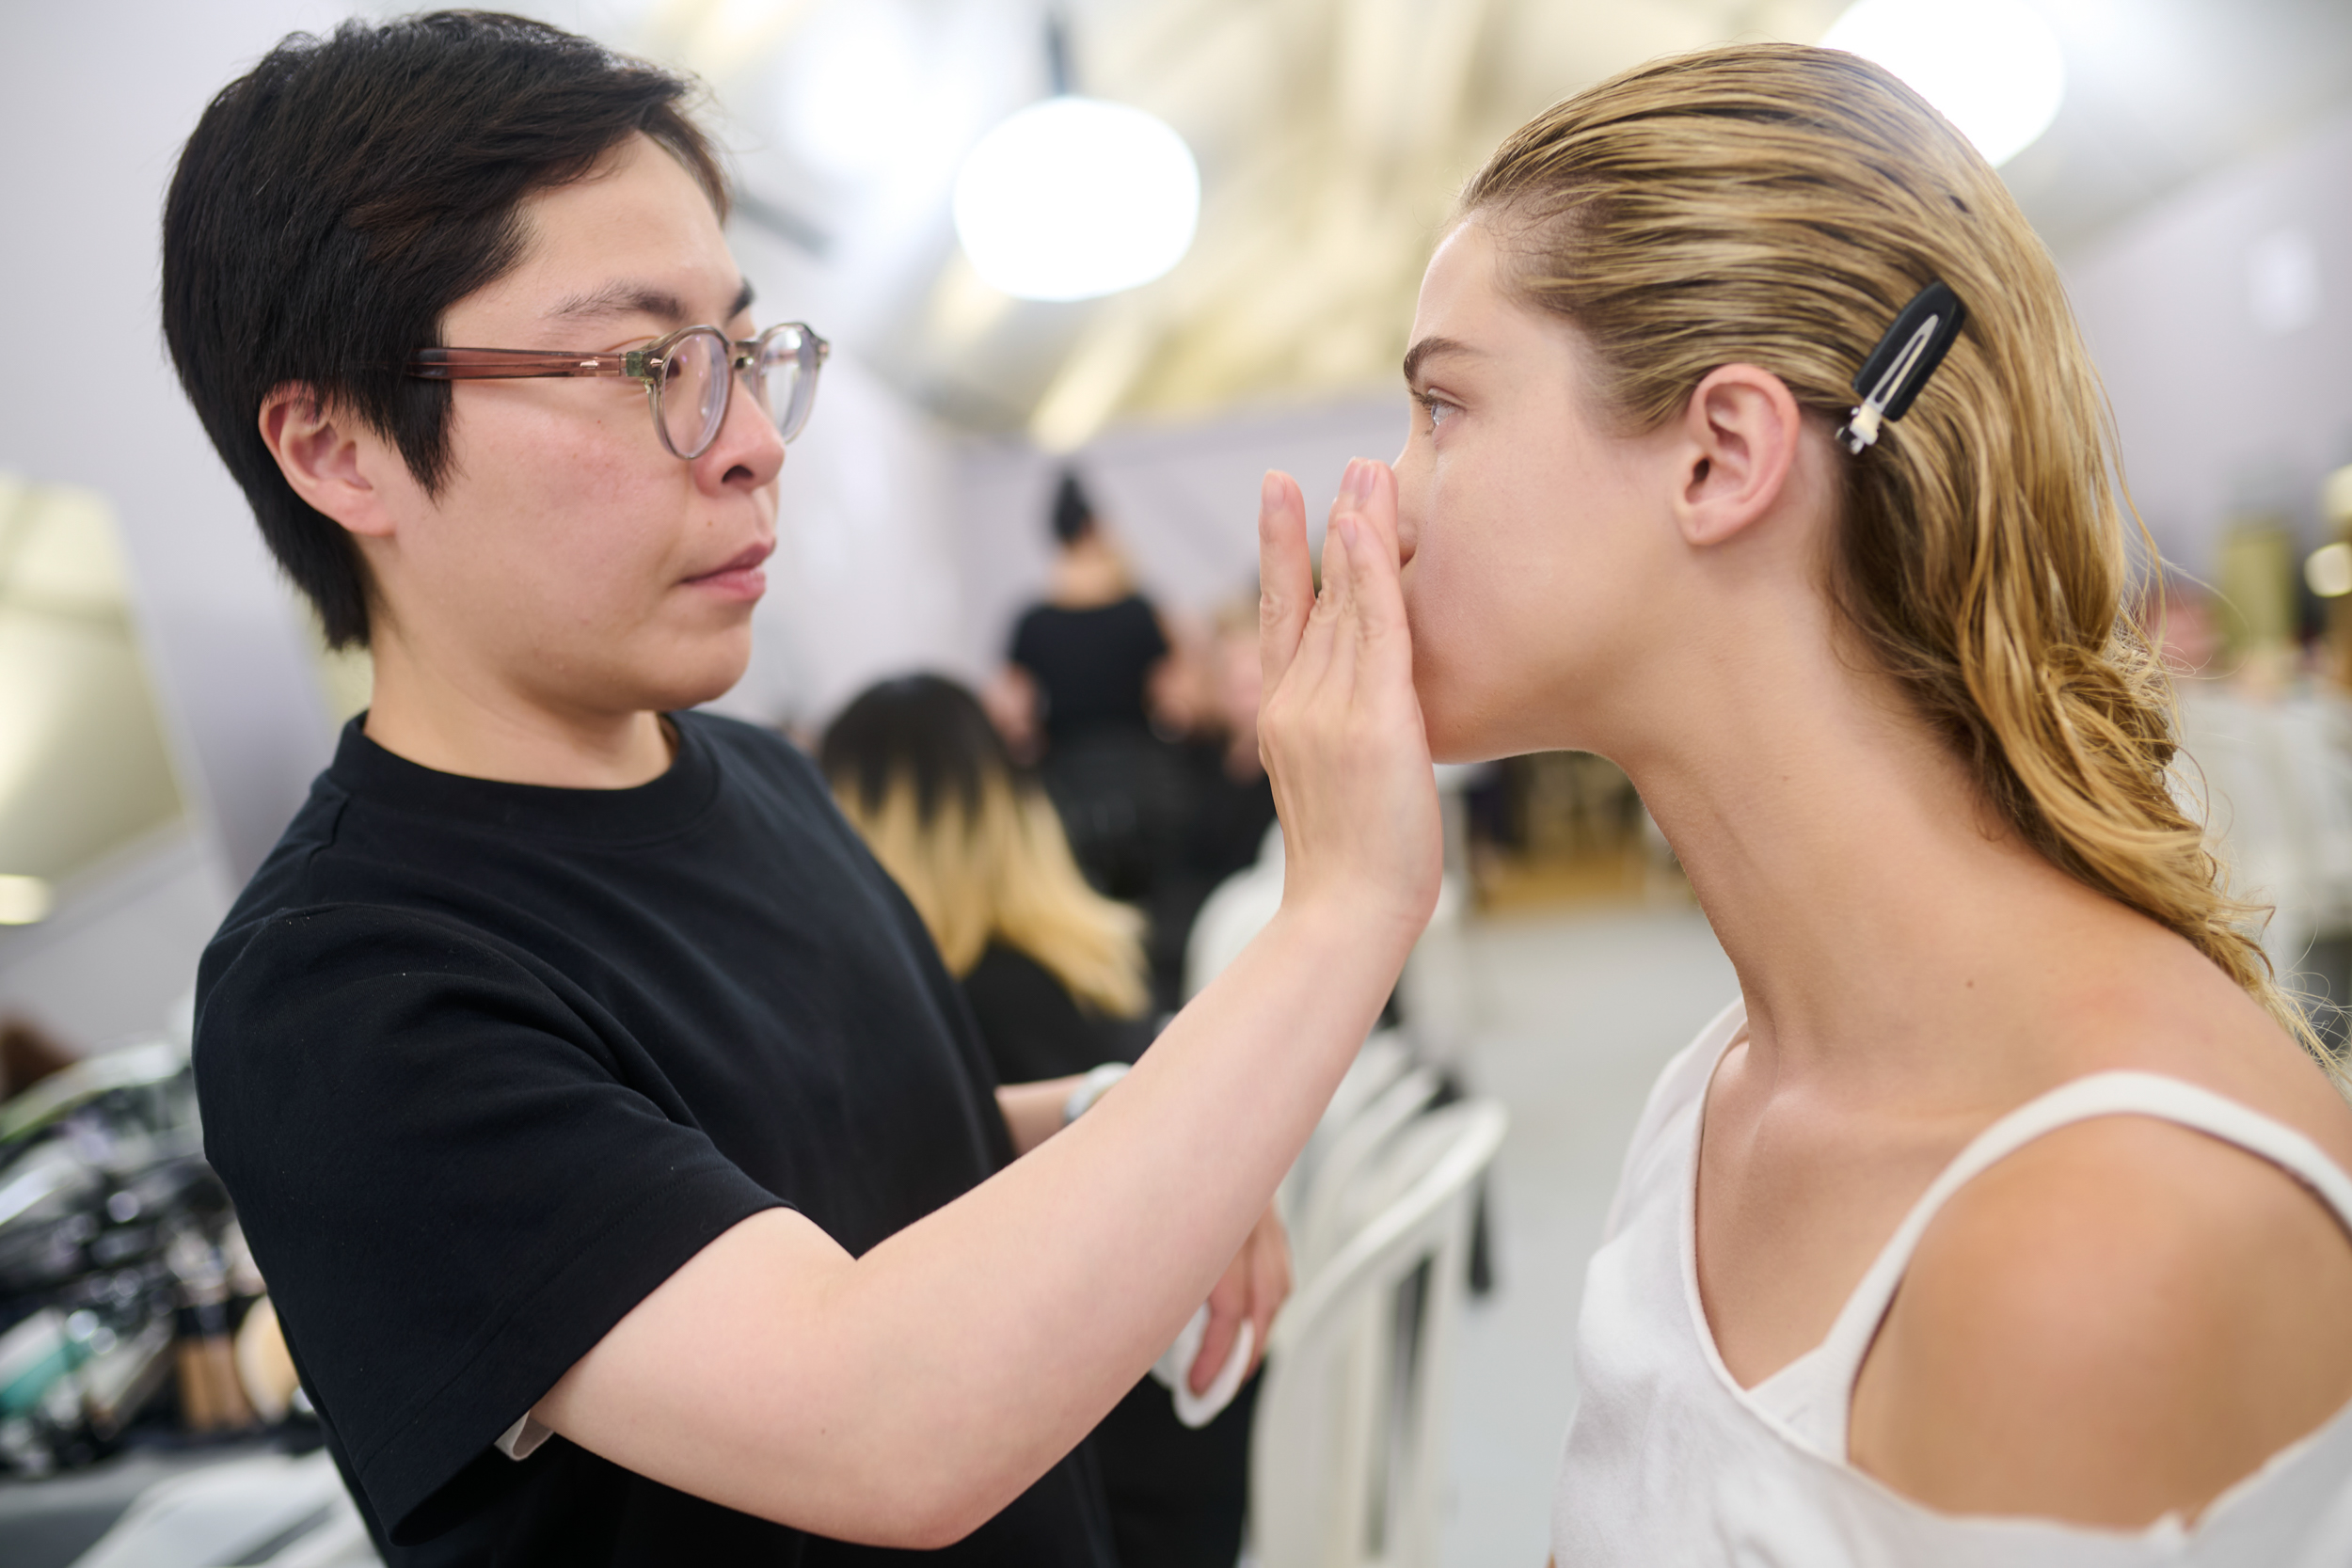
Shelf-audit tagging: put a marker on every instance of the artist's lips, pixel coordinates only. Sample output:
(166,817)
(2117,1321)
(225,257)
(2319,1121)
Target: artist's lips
(740,578)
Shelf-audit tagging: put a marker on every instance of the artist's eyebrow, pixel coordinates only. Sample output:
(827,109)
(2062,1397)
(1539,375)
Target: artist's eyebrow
(626,297)
(1429,347)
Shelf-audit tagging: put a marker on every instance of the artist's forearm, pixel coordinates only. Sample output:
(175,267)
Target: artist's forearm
(1196,1138)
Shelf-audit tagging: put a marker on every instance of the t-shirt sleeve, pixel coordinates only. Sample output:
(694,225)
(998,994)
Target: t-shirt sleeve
(447,1183)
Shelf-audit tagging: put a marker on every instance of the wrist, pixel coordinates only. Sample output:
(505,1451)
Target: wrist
(1091,1087)
(1373,920)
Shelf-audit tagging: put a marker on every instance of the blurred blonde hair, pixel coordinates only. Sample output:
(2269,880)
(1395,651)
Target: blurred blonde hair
(1776,205)
(977,850)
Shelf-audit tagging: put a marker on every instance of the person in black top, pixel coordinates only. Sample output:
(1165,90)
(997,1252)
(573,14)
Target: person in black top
(593,962)
(629,1179)
(1090,656)
(1094,645)
(1054,971)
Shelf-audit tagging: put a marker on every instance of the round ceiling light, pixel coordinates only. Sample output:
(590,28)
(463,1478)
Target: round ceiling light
(1993,67)
(1073,198)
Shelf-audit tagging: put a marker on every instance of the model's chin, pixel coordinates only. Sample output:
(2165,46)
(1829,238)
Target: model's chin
(1455,745)
(1450,714)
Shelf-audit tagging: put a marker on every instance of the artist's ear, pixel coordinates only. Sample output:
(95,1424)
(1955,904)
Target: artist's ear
(333,460)
(1735,447)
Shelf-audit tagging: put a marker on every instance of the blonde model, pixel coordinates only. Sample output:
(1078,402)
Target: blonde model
(2003,1219)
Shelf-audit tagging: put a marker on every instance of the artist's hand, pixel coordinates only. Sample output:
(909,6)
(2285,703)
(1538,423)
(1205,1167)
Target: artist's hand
(1340,727)
(1257,1283)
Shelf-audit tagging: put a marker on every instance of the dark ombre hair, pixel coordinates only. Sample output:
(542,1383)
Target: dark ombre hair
(923,731)
(336,200)
(921,773)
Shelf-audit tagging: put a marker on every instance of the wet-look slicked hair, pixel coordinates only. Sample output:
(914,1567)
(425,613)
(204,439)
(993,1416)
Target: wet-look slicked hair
(336,200)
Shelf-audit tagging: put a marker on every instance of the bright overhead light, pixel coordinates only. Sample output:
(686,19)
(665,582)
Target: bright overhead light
(2329,572)
(23,900)
(1993,67)
(1073,198)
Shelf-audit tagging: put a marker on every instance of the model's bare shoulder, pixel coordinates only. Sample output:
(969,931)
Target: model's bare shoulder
(2116,1322)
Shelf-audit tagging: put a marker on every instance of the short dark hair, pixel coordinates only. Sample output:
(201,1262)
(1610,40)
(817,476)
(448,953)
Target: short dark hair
(337,200)
(1073,515)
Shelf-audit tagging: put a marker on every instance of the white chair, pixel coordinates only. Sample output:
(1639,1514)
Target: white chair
(2249,814)
(1320,1225)
(1233,914)
(1347,1454)
(1380,1061)
(2278,778)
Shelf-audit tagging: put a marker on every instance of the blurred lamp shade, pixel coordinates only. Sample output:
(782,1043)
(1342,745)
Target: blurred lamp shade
(1074,197)
(1993,68)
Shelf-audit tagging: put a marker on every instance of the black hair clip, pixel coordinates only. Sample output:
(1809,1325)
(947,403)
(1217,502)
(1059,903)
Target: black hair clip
(1901,363)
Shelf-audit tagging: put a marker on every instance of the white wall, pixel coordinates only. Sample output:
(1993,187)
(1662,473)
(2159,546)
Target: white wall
(2222,322)
(101,98)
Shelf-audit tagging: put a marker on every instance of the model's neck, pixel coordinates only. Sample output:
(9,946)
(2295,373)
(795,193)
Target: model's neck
(1854,874)
(460,720)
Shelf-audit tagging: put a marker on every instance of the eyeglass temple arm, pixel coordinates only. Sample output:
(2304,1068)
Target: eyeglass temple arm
(497,364)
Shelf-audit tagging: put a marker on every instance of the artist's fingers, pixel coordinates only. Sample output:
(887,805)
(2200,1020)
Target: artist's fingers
(1324,662)
(1377,504)
(1376,608)
(1271,1248)
(1286,577)
(1229,1308)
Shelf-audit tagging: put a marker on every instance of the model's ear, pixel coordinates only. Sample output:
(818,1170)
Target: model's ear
(332,459)
(1739,444)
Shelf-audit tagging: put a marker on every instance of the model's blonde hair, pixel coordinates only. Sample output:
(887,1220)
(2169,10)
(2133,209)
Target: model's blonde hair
(1776,206)
(977,850)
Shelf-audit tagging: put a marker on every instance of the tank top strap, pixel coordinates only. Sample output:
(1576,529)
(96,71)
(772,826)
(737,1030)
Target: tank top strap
(2100,1094)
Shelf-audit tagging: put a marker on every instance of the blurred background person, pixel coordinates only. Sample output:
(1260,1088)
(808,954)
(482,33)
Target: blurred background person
(1088,664)
(1232,804)
(1053,969)
(1054,974)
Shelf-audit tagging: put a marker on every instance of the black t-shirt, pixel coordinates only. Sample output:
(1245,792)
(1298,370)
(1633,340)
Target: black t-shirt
(1090,665)
(483,1063)
(1033,1028)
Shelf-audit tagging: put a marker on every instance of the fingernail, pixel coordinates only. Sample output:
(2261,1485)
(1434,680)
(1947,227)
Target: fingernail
(1358,484)
(1269,491)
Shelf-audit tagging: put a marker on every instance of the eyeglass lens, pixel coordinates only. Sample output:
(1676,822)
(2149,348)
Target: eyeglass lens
(693,393)
(783,380)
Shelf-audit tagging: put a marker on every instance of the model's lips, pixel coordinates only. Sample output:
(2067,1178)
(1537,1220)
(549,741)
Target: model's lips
(738,579)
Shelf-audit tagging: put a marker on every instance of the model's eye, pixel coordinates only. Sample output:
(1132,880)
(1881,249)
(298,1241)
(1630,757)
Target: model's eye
(1437,408)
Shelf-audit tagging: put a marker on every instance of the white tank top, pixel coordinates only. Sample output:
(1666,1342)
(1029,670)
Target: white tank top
(1669,1461)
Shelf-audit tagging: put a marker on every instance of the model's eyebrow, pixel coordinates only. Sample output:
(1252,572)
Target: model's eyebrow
(1429,348)
(626,297)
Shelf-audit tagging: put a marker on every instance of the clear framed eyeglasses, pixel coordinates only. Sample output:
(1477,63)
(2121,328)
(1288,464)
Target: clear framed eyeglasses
(689,376)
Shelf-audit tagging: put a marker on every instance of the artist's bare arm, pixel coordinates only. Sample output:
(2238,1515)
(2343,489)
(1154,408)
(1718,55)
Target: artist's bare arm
(903,1397)
(1254,1285)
